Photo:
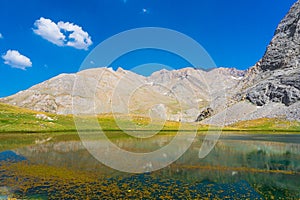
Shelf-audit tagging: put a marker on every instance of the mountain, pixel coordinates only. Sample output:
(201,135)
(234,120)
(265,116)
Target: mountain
(181,94)
(220,96)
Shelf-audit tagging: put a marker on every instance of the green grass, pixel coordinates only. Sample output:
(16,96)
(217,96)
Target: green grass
(15,119)
(266,124)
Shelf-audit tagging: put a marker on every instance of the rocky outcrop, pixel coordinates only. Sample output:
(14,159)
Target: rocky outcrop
(206,113)
(283,88)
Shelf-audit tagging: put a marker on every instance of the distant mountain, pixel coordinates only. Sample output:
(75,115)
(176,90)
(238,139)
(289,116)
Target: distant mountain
(271,88)
(182,94)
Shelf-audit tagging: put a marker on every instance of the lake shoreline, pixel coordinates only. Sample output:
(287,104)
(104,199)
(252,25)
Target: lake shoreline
(226,130)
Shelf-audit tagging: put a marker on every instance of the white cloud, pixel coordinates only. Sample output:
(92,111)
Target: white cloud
(16,60)
(49,31)
(1,36)
(62,33)
(78,38)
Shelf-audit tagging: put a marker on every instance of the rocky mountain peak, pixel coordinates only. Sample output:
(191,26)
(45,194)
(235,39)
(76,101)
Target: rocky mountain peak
(284,49)
(275,78)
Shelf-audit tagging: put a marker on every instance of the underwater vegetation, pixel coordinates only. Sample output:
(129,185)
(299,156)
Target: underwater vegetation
(32,181)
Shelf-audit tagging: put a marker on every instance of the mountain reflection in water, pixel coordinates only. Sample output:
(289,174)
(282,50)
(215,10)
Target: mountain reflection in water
(240,166)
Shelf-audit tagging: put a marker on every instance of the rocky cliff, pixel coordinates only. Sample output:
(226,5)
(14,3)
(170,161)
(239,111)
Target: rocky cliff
(271,87)
(277,76)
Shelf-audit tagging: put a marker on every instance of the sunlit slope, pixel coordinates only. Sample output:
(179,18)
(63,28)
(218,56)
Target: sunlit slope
(19,119)
(16,119)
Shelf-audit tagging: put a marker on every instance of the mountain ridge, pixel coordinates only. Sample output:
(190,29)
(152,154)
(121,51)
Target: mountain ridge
(55,94)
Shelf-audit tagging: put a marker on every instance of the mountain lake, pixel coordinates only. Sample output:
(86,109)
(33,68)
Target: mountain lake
(242,165)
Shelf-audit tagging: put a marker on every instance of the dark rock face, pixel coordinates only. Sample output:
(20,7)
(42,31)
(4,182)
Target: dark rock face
(275,93)
(278,77)
(206,113)
(292,80)
(283,88)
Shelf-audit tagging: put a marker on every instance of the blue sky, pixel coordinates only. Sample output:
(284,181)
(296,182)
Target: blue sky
(235,33)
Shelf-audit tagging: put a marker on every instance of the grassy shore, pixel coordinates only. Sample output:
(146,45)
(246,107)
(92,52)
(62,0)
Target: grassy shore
(14,119)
